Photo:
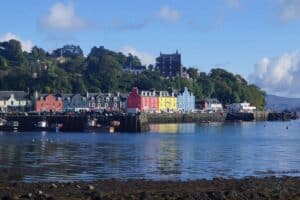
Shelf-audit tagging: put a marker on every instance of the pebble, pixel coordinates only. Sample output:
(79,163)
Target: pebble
(53,186)
(91,187)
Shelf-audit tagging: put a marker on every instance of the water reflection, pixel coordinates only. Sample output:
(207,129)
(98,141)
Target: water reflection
(173,128)
(195,151)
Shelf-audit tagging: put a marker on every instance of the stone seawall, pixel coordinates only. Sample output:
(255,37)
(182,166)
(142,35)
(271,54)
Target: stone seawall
(218,117)
(186,118)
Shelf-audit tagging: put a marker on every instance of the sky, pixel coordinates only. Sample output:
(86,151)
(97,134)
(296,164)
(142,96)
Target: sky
(258,39)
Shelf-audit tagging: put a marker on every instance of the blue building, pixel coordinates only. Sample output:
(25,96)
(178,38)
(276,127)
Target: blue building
(74,102)
(186,101)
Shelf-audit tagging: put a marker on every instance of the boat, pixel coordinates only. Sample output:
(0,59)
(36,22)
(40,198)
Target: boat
(111,129)
(10,126)
(41,126)
(93,126)
(44,126)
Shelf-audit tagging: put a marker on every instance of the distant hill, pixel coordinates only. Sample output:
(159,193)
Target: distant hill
(278,103)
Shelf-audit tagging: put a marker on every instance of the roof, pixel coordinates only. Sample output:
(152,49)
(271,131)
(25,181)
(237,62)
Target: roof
(19,95)
(211,100)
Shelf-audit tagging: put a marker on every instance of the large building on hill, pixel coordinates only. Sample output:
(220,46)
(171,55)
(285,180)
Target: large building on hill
(169,65)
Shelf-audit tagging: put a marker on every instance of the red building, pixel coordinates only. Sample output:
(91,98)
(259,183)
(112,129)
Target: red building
(49,103)
(144,101)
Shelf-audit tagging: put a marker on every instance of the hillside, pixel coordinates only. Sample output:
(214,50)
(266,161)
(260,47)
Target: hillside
(67,70)
(282,103)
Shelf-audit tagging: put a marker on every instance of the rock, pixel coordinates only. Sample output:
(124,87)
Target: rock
(53,186)
(78,186)
(40,192)
(91,187)
(7,197)
(26,196)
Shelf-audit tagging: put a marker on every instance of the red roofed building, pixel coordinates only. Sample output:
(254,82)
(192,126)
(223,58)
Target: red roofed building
(49,103)
(144,101)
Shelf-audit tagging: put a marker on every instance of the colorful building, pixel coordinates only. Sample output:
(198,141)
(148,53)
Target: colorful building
(144,101)
(106,102)
(167,102)
(49,103)
(186,101)
(212,105)
(244,107)
(74,102)
(14,101)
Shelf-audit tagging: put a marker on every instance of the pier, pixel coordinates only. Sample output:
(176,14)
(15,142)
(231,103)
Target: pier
(136,123)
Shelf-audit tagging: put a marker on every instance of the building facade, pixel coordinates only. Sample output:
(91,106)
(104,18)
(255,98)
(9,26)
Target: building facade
(186,101)
(169,65)
(144,101)
(15,101)
(49,103)
(212,105)
(74,102)
(241,108)
(106,102)
(167,102)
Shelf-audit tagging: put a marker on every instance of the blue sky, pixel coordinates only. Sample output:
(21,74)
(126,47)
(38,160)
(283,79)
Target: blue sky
(256,38)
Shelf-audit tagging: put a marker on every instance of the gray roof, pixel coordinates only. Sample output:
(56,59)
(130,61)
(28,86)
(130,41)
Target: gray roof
(19,95)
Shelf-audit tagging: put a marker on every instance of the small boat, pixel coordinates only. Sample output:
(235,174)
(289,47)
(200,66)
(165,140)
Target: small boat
(41,126)
(44,126)
(111,129)
(11,126)
(115,123)
(93,126)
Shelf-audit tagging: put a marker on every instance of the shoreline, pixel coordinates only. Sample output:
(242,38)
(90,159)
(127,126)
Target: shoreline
(218,188)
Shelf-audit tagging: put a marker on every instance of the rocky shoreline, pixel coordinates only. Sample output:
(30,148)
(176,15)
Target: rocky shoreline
(218,188)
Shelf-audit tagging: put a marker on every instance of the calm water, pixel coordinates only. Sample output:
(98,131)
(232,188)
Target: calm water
(171,151)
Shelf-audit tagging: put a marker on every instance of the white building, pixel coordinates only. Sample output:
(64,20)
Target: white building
(14,101)
(212,105)
(241,108)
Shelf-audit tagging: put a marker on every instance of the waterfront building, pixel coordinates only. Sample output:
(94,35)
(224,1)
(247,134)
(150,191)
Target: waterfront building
(167,102)
(14,101)
(142,101)
(74,102)
(241,108)
(106,102)
(186,101)
(212,105)
(169,65)
(48,103)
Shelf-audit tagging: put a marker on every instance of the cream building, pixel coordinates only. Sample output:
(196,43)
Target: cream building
(14,101)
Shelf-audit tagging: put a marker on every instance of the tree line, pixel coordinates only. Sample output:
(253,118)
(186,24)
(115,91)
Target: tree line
(67,70)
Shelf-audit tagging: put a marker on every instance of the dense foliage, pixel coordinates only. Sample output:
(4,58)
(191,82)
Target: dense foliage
(67,70)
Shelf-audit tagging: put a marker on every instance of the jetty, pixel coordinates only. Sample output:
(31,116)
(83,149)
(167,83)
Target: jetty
(130,123)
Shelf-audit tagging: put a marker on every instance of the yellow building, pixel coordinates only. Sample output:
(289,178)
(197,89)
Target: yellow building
(167,102)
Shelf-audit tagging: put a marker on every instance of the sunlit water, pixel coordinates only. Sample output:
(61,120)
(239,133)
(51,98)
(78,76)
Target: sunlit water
(169,151)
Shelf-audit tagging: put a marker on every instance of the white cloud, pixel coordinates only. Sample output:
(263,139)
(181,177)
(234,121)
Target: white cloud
(289,10)
(235,4)
(145,58)
(168,14)
(279,75)
(26,44)
(62,18)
